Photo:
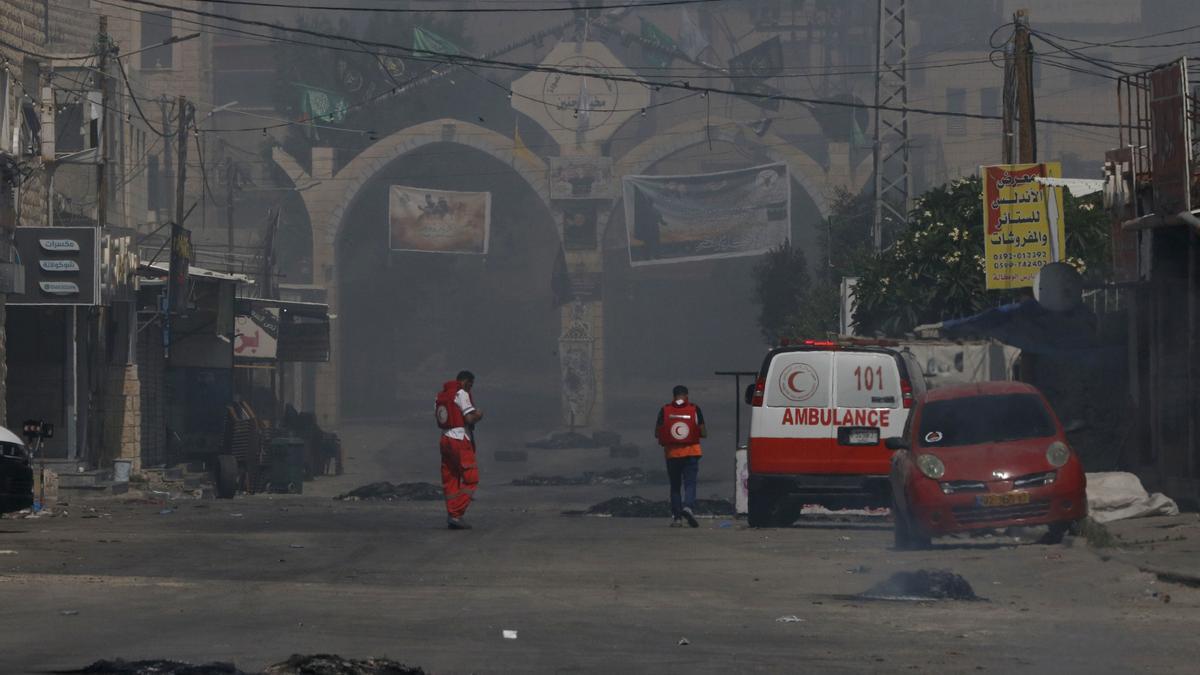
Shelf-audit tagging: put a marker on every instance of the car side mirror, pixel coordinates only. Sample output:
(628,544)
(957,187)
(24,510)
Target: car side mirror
(1074,426)
(749,396)
(895,443)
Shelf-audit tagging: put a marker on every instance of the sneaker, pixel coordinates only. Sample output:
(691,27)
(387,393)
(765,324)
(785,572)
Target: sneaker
(676,522)
(457,524)
(691,518)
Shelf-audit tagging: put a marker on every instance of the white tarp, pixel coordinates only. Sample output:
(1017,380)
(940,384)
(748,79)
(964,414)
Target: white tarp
(1117,495)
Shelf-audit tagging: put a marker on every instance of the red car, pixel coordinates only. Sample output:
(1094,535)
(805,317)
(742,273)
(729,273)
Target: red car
(983,456)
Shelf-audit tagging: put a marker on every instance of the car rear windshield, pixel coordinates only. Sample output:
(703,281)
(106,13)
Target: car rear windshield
(984,419)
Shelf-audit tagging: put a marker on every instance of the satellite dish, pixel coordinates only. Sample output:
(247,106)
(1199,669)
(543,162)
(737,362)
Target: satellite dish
(1058,287)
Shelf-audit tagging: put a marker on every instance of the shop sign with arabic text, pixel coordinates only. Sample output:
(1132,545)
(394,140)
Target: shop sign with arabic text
(1023,223)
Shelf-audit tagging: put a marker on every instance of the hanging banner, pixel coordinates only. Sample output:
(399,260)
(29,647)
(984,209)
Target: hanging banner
(707,216)
(1170,139)
(256,335)
(581,177)
(1023,222)
(439,221)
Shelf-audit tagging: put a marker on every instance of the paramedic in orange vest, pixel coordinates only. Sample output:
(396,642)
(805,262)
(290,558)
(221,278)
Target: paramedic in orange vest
(679,428)
(456,417)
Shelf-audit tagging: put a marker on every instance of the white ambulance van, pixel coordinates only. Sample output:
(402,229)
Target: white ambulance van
(821,411)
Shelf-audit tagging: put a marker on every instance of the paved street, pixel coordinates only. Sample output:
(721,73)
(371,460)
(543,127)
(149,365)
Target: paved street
(258,578)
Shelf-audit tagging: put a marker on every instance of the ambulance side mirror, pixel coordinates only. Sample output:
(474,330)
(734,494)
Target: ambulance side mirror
(749,397)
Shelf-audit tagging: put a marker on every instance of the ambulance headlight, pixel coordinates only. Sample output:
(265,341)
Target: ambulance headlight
(1058,454)
(931,466)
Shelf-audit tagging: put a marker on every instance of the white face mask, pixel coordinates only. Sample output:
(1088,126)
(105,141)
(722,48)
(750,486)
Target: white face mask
(678,401)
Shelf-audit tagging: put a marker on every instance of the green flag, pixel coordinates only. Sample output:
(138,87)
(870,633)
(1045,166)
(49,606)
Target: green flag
(428,41)
(663,47)
(321,106)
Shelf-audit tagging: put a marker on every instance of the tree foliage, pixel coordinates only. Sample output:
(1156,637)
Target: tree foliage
(934,269)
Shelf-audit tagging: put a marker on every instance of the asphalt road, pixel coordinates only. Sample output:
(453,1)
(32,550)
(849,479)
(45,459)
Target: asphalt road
(255,579)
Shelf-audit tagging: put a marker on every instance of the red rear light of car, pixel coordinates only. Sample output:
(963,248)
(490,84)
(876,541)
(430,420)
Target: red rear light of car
(906,393)
(760,388)
(820,343)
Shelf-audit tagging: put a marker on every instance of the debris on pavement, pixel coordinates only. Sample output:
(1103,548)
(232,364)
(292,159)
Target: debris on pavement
(922,585)
(1117,495)
(389,492)
(683,642)
(631,476)
(791,618)
(69,612)
(564,440)
(155,667)
(509,634)
(8,552)
(332,664)
(640,507)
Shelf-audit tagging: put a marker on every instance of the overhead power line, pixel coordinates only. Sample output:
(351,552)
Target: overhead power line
(462,59)
(560,7)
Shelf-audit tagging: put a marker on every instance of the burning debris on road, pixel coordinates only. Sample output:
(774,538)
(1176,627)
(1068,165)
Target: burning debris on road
(922,585)
(631,476)
(640,507)
(384,491)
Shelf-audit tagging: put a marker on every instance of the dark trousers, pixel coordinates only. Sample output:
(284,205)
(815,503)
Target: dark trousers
(682,472)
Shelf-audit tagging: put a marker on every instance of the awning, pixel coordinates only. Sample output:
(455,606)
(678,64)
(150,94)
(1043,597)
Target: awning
(1031,328)
(303,327)
(1078,186)
(162,269)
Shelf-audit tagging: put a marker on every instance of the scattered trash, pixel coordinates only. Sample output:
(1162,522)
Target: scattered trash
(8,552)
(563,441)
(388,492)
(165,512)
(631,476)
(725,524)
(861,569)
(69,612)
(295,545)
(922,585)
(235,515)
(640,507)
(155,667)
(510,455)
(509,634)
(331,664)
(791,618)
(683,642)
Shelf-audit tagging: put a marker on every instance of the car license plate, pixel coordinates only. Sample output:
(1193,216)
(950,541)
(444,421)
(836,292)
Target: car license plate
(1006,499)
(864,437)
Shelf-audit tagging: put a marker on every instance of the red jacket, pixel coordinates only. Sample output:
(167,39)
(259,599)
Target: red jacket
(449,415)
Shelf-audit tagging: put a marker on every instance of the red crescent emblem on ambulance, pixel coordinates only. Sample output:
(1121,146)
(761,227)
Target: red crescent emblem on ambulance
(799,382)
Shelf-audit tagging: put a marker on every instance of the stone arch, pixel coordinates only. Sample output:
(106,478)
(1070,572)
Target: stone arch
(329,195)
(804,169)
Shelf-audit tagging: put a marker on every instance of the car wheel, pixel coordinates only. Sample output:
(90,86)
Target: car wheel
(760,508)
(1056,533)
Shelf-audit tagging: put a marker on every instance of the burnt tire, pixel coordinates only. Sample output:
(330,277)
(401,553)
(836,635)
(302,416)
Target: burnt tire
(227,476)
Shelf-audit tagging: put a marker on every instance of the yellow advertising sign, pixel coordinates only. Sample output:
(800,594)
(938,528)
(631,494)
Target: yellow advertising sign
(1023,222)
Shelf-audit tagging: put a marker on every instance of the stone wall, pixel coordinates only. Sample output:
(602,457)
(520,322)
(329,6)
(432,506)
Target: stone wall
(122,416)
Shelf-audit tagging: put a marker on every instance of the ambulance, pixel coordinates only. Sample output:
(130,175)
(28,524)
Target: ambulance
(820,413)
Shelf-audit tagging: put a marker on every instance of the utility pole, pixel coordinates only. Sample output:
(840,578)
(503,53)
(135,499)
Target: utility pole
(180,163)
(230,182)
(1023,58)
(893,182)
(102,135)
(1008,101)
(167,181)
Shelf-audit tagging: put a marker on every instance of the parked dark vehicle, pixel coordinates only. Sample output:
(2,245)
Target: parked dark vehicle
(983,456)
(16,473)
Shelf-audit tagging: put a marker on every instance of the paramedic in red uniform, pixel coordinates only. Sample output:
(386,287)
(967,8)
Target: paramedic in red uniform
(457,416)
(679,428)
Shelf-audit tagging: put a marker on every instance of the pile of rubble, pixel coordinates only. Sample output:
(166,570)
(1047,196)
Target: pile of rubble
(640,507)
(922,585)
(384,491)
(298,664)
(631,476)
